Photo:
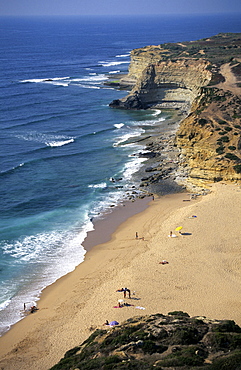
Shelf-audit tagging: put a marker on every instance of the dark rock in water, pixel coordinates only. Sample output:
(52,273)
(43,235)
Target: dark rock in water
(147,155)
(175,341)
(130,102)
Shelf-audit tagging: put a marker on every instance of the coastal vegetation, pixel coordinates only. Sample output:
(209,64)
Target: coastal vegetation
(175,341)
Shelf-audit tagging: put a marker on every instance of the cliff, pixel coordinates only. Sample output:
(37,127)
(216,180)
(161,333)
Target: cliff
(202,79)
(175,341)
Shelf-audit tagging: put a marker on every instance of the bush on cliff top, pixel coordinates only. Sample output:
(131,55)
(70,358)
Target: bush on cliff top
(139,344)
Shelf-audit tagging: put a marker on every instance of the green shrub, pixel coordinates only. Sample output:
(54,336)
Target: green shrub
(112,360)
(237,168)
(150,347)
(228,128)
(226,326)
(185,335)
(231,147)
(220,150)
(178,313)
(202,121)
(229,362)
(225,139)
(231,156)
(222,122)
(183,357)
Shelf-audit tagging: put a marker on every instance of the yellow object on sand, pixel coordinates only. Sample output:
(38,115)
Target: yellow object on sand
(178,228)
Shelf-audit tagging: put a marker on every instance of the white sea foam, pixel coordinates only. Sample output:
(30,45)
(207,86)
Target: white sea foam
(47,139)
(4,304)
(123,139)
(55,254)
(58,81)
(119,125)
(157,112)
(132,167)
(113,72)
(89,86)
(123,55)
(110,64)
(91,78)
(102,185)
(149,122)
(59,143)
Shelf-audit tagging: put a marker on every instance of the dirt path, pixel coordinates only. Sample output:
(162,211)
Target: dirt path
(231,81)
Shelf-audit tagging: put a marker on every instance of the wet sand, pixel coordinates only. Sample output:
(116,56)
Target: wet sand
(202,276)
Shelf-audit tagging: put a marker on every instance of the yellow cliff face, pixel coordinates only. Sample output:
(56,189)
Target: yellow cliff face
(206,87)
(163,82)
(209,139)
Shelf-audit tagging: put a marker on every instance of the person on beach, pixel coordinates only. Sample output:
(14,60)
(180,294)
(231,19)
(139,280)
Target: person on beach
(33,309)
(125,290)
(121,303)
(171,235)
(136,235)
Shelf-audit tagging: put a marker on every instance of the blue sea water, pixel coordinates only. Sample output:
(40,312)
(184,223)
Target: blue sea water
(61,143)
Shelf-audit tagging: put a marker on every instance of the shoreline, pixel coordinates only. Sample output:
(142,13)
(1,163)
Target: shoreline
(111,218)
(202,277)
(111,221)
(124,209)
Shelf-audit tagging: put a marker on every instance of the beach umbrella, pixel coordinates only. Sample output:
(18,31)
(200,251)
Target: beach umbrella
(178,228)
(113,323)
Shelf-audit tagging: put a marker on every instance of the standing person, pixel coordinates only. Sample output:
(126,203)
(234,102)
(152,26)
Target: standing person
(136,235)
(127,290)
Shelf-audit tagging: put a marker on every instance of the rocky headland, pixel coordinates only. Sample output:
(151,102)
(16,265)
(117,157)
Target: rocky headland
(201,81)
(173,341)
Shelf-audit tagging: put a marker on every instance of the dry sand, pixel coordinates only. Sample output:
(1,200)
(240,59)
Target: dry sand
(202,277)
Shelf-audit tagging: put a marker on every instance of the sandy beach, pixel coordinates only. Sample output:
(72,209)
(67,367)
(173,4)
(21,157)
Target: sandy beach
(202,276)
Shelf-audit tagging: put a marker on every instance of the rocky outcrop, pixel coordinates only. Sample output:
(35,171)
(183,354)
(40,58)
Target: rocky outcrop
(189,77)
(164,84)
(174,341)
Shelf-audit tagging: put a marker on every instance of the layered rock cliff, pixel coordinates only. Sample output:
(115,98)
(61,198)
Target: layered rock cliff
(171,84)
(194,77)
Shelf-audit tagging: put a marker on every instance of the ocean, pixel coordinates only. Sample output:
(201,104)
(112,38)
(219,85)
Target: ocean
(61,144)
